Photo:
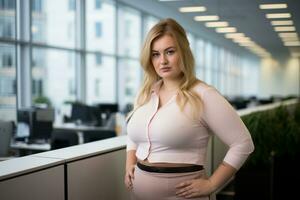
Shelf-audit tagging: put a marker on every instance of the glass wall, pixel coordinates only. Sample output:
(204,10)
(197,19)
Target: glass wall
(52,24)
(8,87)
(64,53)
(53,76)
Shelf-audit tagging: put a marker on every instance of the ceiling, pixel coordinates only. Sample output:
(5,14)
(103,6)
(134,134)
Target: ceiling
(247,18)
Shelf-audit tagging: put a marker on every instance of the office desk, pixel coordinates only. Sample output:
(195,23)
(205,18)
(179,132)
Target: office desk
(26,149)
(80,129)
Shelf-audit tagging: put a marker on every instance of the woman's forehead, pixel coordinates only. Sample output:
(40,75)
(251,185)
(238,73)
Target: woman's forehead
(162,43)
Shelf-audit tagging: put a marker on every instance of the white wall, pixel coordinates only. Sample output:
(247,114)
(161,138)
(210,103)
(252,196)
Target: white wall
(279,78)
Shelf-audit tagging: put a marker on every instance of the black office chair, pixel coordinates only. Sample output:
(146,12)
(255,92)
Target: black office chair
(91,136)
(6,133)
(62,139)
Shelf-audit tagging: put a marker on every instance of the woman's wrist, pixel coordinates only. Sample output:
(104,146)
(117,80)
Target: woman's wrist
(213,185)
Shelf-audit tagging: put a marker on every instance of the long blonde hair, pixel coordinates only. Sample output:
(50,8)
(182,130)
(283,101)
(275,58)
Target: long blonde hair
(186,61)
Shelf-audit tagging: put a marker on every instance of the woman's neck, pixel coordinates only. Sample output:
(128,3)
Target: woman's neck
(170,85)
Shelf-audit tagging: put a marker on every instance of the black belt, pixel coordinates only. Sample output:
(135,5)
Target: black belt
(184,169)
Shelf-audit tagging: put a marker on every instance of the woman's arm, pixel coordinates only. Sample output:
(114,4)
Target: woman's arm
(206,186)
(224,122)
(221,175)
(129,171)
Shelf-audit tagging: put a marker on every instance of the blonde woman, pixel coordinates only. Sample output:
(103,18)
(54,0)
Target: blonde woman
(173,118)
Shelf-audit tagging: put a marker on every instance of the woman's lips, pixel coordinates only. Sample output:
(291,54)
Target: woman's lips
(165,69)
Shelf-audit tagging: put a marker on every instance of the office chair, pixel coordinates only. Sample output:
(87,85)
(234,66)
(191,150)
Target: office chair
(63,138)
(6,133)
(95,135)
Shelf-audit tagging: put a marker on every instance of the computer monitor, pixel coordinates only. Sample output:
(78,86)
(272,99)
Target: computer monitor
(108,107)
(37,121)
(24,121)
(82,112)
(42,124)
(105,110)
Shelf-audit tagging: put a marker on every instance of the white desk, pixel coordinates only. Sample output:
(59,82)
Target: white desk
(79,128)
(24,148)
(34,147)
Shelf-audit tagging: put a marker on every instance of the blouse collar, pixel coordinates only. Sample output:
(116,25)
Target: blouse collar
(156,86)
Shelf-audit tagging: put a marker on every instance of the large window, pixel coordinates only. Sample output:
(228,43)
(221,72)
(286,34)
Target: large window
(7,18)
(101,79)
(100,26)
(129,34)
(51,21)
(64,53)
(130,71)
(200,59)
(53,75)
(150,21)
(8,83)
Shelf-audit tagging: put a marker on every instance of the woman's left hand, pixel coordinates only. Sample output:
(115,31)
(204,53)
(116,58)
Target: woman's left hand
(194,188)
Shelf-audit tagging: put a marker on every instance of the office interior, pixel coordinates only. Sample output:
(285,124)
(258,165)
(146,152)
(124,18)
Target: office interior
(70,71)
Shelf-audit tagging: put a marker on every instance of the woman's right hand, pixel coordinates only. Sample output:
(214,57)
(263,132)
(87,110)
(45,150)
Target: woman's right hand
(129,176)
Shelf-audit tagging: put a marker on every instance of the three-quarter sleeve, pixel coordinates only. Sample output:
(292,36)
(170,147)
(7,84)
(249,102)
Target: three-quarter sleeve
(130,144)
(223,121)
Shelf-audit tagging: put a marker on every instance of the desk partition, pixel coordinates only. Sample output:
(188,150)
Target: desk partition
(89,171)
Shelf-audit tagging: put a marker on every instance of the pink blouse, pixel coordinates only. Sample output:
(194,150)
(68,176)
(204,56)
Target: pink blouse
(168,135)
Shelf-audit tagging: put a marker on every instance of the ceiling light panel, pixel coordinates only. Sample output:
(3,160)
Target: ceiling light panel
(206,18)
(292,43)
(234,35)
(273,6)
(282,35)
(278,15)
(289,39)
(284,28)
(282,23)
(226,30)
(216,24)
(192,9)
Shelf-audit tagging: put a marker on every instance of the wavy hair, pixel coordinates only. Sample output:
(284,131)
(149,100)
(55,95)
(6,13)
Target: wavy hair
(186,61)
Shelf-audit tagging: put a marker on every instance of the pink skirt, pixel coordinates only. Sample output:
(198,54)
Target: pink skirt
(160,186)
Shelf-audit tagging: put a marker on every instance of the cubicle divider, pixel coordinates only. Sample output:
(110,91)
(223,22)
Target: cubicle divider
(31,177)
(89,171)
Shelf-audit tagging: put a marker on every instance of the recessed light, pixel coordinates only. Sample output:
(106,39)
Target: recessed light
(242,40)
(294,34)
(234,35)
(192,9)
(273,6)
(278,15)
(295,54)
(206,18)
(226,30)
(282,23)
(216,24)
(292,43)
(284,28)
(289,39)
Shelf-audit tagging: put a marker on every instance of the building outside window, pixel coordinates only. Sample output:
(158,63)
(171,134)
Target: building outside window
(98,29)
(98,4)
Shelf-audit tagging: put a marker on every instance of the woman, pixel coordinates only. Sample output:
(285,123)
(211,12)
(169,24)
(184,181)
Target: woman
(173,118)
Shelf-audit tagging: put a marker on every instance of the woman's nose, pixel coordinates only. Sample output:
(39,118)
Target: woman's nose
(163,59)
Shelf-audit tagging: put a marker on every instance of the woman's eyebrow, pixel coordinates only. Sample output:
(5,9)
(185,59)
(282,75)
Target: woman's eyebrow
(168,48)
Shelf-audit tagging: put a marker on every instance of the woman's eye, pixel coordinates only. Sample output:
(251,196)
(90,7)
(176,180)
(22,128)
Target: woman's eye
(155,55)
(170,52)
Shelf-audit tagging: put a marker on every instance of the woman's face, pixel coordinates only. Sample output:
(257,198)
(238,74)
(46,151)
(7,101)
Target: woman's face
(165,58)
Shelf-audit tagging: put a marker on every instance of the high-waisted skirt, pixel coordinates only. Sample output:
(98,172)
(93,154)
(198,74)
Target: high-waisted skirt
(160,186)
